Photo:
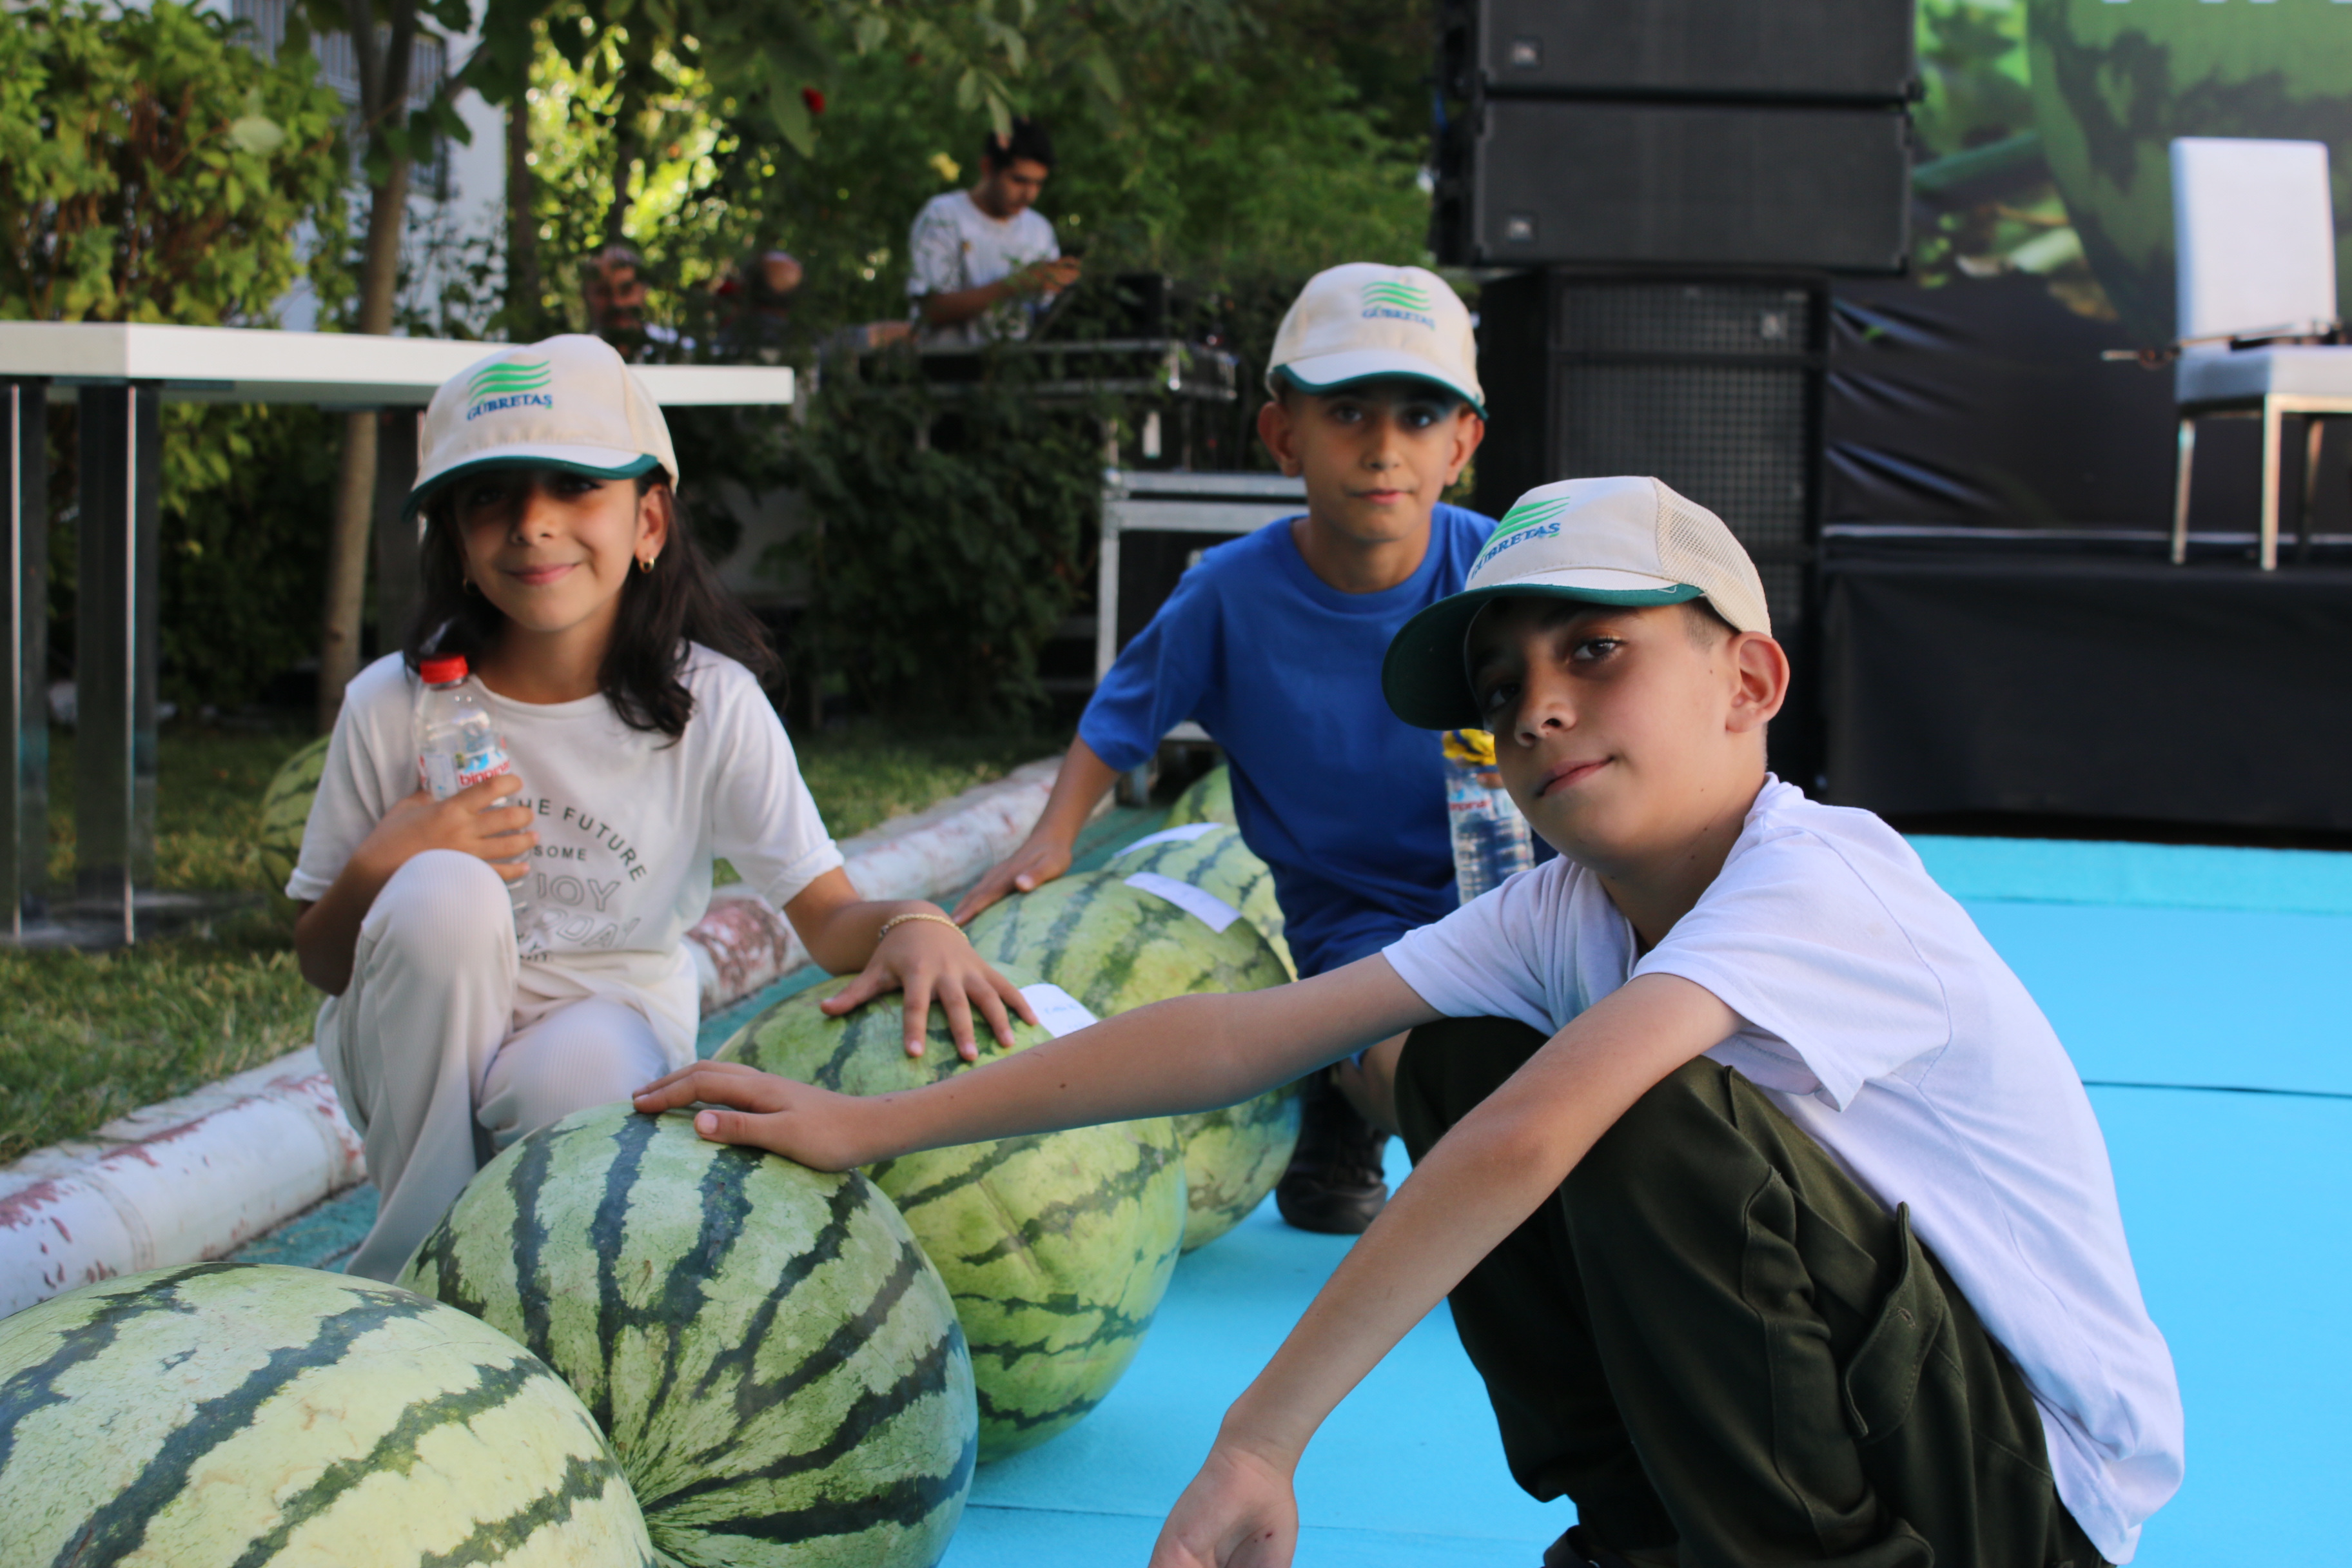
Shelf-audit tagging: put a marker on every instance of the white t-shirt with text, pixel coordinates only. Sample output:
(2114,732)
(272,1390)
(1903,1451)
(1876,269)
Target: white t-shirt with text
(628,823)
(954,246)
(1880,1019)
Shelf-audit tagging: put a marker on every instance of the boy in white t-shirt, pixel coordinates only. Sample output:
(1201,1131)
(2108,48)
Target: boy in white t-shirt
(1770,1209)
(980,262)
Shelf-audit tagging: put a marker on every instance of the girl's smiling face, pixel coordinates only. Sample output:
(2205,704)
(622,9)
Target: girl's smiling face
(553,550)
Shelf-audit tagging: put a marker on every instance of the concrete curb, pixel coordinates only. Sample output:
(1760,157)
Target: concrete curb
(198,1176)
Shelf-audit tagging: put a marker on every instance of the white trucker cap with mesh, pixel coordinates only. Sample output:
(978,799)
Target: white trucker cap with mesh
(568,402)
(1364,321)
(1628,541)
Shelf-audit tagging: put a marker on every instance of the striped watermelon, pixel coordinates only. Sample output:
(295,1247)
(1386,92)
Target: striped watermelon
(777,1367)
(1114,947)
(1209,798)
(1057,1248)
(285,811)
(216,1414)
(1210,856)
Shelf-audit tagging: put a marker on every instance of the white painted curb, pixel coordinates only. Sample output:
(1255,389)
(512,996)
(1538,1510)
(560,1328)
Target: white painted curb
(198,1176)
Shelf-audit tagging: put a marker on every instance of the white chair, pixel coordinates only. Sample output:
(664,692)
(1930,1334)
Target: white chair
(2254,234)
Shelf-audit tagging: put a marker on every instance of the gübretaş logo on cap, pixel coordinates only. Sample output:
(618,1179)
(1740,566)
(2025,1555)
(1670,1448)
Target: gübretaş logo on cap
(1536,519)
(1397,299)
(509,383)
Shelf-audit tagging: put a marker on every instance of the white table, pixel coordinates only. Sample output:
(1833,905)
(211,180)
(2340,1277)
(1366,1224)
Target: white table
(119,376)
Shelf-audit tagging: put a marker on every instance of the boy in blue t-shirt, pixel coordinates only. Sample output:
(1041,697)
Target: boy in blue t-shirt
(1272,645)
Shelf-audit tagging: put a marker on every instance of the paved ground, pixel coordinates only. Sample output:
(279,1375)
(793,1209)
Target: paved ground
(2201,997)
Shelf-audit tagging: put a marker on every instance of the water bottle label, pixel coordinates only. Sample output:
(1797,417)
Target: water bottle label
(487,762)
(438,772)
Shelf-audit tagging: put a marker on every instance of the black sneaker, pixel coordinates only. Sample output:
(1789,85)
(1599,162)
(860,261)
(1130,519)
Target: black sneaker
(1335,1184)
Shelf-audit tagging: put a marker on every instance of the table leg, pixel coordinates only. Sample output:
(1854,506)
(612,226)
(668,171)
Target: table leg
(1106,595)
(2181,490)
(114,654)
(25,661)
(2271,436)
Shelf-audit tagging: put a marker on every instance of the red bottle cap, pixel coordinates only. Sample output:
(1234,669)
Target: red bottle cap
(442,669)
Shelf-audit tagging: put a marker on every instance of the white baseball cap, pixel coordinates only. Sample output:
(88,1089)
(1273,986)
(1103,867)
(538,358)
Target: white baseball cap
(1363,321)
(1602,542)
(566,402)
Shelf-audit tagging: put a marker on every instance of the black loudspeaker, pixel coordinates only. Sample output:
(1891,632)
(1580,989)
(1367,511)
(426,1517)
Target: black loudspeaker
(1544,181)
(1859,51)
(1712,384)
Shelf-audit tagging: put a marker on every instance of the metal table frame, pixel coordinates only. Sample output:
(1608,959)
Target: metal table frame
(119,376)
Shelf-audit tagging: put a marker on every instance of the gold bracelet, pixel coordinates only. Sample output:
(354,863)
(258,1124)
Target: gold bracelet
(918,915)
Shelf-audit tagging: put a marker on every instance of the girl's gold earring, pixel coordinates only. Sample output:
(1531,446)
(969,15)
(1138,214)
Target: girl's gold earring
(470,587)
(646,564)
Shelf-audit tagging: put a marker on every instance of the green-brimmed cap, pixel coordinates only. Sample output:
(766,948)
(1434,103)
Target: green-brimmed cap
(568,402)
(1600,541)
(1364,321)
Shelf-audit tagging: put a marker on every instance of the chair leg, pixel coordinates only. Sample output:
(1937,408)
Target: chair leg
(2181,490)
(2272,434)
(2315,431)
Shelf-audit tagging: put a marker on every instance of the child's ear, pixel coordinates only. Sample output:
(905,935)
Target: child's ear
(1280,434)
(656,519)
(1469,429)
(1760,668)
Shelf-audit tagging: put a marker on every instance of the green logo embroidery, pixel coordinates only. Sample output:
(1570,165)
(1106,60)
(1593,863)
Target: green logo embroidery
(509,377)
(1527,512)
(1397,294)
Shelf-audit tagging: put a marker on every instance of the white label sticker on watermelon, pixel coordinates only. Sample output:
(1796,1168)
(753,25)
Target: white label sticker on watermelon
(1207,908)
(1058,1012)
(1185,835)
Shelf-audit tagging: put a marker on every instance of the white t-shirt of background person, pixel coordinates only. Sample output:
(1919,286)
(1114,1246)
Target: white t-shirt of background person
(954,246)
(628,822)
(1876,1015)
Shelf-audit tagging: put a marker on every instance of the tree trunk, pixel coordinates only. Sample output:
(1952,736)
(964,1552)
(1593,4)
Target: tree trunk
(525,292)
(384,94)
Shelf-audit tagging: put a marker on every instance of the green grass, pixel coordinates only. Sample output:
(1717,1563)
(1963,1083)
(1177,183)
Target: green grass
(92,1036)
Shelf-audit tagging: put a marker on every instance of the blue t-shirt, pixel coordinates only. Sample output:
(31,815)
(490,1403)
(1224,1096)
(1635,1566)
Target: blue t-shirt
(1343,799)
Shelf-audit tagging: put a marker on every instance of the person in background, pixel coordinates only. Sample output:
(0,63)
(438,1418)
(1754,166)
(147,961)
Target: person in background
(982,261)
(753,305)
(613,284)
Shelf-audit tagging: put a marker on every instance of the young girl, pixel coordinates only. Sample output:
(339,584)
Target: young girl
(626,686)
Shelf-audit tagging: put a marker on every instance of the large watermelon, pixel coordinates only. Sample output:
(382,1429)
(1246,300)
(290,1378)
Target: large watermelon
(1057,1248)
(2113,85)
(1210,856)
(778,1368)
(285,811)
(217,1414)
(1114,947)
(1209,798)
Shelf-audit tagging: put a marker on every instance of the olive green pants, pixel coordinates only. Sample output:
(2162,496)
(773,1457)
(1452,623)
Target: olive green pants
(1714,1338)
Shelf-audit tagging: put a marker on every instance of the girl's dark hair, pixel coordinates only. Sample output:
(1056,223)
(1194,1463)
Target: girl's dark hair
(679,602)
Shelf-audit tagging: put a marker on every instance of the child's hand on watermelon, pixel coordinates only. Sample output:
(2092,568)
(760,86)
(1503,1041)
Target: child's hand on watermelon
(909,946)
(743,1105)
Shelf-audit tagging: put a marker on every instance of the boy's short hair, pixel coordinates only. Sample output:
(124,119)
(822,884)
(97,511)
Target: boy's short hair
(1028,140)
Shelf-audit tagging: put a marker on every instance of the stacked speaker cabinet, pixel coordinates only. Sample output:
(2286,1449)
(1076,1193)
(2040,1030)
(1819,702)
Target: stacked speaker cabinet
(1656,193)
(1675,133)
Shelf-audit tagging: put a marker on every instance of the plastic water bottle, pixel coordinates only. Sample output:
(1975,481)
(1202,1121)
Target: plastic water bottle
(458,745)
(1490,837)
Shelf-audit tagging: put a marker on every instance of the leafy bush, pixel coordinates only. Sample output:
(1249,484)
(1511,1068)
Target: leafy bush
(152,169)
(952,537)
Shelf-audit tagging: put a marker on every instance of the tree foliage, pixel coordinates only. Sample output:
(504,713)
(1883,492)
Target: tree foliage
(151,170)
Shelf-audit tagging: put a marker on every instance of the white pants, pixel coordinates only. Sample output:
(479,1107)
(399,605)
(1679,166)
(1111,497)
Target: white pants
(437,1065)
